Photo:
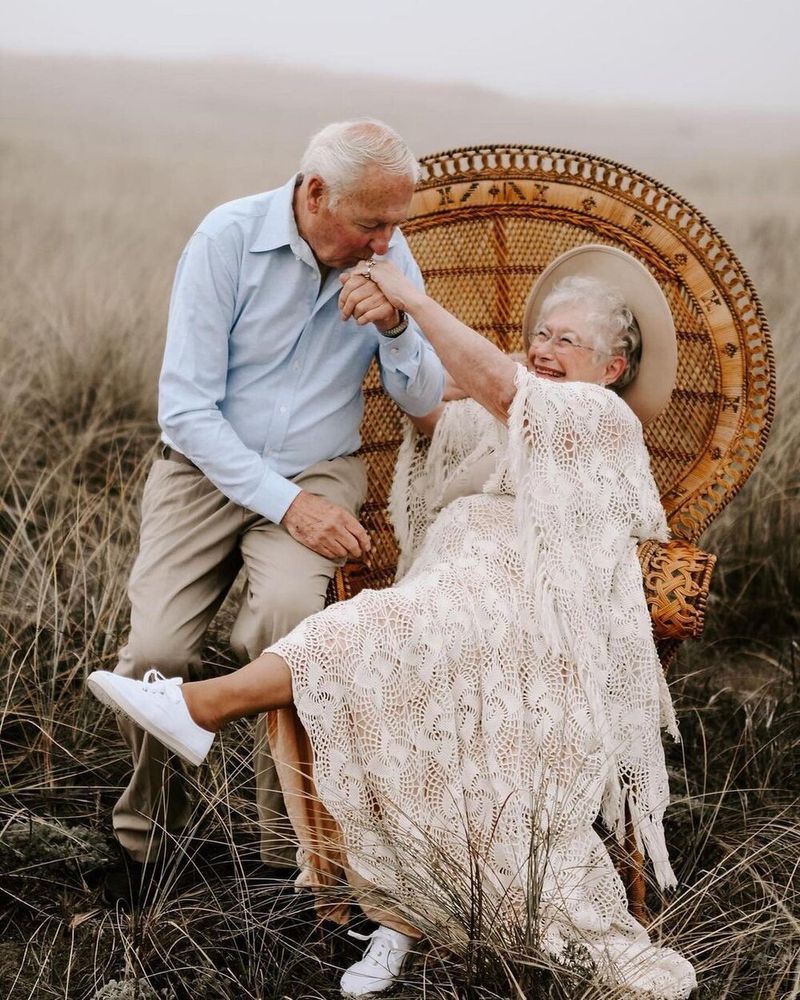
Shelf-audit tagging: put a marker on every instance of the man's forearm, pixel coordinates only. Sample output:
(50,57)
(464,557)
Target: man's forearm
(412,374)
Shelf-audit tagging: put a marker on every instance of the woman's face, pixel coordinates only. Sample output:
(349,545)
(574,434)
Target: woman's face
(563,349)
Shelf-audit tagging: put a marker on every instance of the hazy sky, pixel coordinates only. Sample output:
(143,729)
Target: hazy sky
(700,53)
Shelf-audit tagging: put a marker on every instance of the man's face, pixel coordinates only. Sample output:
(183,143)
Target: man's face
(360,224)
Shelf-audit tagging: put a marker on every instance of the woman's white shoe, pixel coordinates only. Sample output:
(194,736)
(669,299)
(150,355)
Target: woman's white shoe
(158,706)
(387,954)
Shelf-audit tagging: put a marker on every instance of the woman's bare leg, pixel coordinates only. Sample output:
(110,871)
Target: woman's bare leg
(261,685)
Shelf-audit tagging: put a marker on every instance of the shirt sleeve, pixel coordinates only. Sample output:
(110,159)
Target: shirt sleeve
(194,377)
(411,371)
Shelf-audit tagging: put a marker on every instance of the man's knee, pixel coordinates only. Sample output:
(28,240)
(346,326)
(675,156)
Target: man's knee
(262,622)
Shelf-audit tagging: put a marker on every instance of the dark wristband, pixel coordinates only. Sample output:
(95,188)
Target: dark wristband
(401,327)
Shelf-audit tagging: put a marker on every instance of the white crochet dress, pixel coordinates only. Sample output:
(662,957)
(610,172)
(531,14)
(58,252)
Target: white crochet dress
(471,722)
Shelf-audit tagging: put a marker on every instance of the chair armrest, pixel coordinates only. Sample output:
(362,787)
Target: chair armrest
(354,576)
(676,579)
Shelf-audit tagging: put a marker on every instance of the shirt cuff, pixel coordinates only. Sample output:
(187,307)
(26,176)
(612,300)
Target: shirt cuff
(403,353)
(274,496)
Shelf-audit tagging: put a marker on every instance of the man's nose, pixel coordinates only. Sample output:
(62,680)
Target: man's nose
(379,243)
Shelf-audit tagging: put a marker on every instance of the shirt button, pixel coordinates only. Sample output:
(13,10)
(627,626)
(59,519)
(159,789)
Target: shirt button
(296,366)
(395,350)
(283,409)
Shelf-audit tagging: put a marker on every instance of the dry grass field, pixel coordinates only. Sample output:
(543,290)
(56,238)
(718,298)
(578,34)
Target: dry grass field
(106,169)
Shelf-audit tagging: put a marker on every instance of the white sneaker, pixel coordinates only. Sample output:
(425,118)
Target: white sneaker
(158,706)
(387,954)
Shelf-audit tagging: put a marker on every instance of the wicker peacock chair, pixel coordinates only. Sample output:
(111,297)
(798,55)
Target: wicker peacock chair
(484,223)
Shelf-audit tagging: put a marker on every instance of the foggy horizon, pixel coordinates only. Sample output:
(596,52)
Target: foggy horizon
(569,103)
(711,56)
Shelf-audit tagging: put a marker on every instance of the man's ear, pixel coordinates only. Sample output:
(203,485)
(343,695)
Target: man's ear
(315,191)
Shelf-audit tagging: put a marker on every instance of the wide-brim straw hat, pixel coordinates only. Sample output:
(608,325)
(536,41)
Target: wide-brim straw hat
(650,391)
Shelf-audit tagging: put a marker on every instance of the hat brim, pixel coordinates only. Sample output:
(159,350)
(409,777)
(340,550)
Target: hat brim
(650,391)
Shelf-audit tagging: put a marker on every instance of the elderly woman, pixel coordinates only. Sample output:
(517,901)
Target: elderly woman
(470,723)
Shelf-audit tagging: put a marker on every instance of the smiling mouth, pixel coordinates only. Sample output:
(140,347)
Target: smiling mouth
(546,372)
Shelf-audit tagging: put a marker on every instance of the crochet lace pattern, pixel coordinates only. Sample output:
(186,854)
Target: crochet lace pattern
(470,723)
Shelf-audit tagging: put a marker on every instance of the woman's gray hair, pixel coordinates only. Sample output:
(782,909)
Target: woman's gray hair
(339,153)
(613,326)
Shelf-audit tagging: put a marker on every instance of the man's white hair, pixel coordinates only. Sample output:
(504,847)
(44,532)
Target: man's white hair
(340,152)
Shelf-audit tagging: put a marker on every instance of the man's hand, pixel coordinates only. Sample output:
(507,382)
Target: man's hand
(363,299)
(325,527)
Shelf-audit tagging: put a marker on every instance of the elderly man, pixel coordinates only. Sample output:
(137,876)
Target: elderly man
(260,404)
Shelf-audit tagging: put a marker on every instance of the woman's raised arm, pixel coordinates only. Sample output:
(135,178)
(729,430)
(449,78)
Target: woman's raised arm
(480,369)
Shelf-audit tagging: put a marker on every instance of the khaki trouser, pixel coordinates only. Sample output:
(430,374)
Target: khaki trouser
(193,542)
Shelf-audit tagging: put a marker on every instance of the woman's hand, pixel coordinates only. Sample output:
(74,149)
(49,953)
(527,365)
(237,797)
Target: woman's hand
(386,280)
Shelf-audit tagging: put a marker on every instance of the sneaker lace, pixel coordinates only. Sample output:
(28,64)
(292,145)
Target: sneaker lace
(155,682)
(380,947)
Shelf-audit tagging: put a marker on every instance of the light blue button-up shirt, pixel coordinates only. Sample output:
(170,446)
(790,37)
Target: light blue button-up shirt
(261,377)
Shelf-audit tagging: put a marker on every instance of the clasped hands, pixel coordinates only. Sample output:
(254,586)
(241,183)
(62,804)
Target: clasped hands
(368,298)
(386,288)
(385,292)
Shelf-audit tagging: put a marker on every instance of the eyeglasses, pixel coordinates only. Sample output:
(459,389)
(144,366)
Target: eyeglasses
(562,344)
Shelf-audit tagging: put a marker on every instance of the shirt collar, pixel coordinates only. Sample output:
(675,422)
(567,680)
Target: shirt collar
(279,228)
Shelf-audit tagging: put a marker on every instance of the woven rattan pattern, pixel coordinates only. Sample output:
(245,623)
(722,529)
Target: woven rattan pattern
(486,221)
(676,578)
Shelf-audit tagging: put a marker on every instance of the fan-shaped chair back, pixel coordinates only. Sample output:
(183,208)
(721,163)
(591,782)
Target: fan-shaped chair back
(486,221)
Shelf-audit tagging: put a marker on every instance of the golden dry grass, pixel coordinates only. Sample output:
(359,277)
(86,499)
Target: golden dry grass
(106,170)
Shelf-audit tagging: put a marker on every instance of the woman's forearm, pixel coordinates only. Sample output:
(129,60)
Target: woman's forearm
(427,425)
(479,368)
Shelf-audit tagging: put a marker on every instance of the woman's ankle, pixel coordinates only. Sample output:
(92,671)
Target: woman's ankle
(197,708)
